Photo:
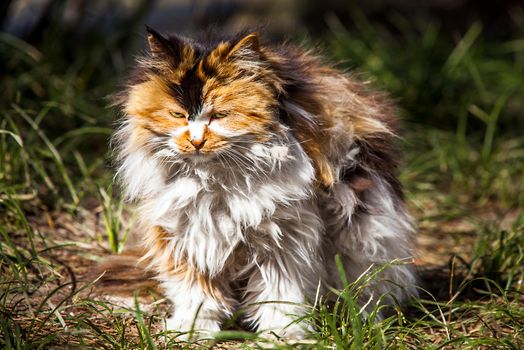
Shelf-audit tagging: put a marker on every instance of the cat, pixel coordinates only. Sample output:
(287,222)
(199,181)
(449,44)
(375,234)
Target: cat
(252,166)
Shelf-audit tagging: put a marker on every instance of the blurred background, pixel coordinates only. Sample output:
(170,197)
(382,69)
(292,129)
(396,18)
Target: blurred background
(443,59)
(431,54)
(455,68)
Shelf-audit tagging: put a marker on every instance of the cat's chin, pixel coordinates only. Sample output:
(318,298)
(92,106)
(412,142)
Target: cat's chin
(199,157)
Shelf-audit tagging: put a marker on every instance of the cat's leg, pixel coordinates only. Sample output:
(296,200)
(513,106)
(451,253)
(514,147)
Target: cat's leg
(200,304)
(370,232)
(276,299)
(284,283)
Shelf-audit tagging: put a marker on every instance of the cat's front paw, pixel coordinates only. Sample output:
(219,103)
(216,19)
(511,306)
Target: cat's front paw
(191,329)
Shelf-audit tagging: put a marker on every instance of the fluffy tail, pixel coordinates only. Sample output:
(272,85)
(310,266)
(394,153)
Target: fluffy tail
(124,274)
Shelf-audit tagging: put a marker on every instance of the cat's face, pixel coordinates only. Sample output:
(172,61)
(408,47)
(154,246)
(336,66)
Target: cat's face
(193,102)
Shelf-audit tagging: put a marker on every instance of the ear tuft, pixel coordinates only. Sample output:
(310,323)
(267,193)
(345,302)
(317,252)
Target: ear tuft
(249,44)
(158,45)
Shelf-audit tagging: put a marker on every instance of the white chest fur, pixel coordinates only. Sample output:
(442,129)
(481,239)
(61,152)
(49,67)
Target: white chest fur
(209,211)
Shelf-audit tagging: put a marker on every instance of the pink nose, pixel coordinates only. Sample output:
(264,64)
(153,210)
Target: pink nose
(198,143)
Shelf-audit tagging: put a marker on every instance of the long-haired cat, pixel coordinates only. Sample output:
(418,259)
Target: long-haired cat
(252,167)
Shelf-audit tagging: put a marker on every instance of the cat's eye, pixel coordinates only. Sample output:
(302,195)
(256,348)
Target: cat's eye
(177,114)
(218,115)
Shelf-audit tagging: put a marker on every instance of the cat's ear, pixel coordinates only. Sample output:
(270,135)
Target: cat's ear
(247,47)
(161,46)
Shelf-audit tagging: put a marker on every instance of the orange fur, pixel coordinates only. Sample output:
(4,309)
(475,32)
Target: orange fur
(252,164)
(159,257)
(249,95)
(247,103)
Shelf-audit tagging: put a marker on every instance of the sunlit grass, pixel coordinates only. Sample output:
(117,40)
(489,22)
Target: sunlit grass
(59,212)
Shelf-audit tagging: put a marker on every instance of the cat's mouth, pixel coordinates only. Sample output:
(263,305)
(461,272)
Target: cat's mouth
(199,156)
(221,154)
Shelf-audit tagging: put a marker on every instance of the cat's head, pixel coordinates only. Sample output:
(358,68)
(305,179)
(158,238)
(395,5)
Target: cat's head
(192,100)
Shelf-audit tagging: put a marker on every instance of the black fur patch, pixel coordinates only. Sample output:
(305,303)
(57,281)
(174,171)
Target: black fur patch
(189,93)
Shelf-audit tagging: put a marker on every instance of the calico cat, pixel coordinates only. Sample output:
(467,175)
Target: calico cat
(252,167)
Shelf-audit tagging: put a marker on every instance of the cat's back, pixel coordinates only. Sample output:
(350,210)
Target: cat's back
(339,118)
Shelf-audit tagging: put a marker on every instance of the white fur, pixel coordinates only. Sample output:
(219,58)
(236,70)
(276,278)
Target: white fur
(194,311)
(254,214)
(370,240)
(197,129)
(217,128)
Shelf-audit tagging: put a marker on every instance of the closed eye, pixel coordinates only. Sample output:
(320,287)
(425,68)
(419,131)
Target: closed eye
(177,114)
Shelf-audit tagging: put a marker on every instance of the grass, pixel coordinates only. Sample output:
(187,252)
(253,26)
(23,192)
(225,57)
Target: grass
(464,171)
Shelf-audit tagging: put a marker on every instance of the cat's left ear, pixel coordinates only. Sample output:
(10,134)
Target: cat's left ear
(247,47)
(160,46)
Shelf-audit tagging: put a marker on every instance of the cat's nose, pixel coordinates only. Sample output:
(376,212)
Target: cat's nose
(198,143)
(197,133)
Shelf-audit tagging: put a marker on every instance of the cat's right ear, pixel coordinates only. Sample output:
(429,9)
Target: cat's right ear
(160,46)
